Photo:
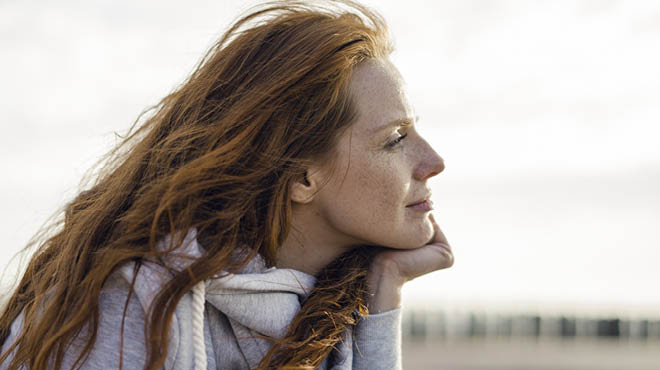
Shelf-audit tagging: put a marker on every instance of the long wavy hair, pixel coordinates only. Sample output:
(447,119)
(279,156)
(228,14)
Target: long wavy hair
(218,154)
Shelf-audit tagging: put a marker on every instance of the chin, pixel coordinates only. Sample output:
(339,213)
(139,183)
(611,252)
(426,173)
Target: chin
(426,232)
(419,236)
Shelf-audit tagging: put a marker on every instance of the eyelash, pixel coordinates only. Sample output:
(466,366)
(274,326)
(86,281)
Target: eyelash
(396,141)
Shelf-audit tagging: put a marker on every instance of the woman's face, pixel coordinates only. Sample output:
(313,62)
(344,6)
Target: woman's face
(377,185)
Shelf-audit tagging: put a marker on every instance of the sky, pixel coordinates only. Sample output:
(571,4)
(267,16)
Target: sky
(546,114)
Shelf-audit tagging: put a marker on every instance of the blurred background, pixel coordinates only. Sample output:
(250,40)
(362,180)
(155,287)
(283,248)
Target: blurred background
(547,114)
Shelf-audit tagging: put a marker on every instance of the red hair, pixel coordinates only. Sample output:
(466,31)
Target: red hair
(218,154)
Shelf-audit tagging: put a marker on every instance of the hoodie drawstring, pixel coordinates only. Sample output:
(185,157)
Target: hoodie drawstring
(199,299)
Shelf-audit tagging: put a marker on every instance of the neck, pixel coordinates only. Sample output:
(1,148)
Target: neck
(311,245)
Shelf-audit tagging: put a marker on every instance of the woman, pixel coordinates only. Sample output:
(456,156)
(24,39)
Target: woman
(264,216)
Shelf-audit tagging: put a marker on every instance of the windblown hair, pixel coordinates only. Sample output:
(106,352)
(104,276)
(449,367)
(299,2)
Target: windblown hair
(218,154)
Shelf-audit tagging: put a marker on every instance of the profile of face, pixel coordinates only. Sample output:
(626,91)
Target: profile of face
(375,190)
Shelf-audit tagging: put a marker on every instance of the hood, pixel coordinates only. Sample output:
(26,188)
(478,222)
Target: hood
(260,298)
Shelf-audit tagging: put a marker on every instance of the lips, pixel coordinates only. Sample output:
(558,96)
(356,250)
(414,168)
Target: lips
(424,204)
(426,198)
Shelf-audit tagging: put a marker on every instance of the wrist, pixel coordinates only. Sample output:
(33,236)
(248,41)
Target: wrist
(384,283)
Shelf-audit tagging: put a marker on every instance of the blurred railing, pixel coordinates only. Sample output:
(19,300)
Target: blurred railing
(422,324)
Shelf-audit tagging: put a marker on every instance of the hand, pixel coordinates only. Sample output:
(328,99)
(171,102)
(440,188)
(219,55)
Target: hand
(391,268)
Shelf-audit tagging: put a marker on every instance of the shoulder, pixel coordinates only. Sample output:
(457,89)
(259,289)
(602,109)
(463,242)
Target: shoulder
(119,297)
(121,336)
(112,343)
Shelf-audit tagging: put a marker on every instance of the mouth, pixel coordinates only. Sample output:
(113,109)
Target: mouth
(423,205)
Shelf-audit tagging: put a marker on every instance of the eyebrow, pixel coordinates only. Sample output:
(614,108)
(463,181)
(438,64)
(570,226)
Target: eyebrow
(404,122)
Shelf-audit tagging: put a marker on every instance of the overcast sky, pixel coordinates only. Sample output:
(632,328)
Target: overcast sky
(547,115)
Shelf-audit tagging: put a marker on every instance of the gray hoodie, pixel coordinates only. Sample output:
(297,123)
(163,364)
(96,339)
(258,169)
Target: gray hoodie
(216,326)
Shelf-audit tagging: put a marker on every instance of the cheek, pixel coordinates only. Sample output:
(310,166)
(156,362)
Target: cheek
(382,194)
(370,204)
(379,188)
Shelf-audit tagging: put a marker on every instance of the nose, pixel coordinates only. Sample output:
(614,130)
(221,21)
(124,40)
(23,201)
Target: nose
(429,165)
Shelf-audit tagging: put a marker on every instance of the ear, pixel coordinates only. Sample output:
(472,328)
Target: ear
(304,189)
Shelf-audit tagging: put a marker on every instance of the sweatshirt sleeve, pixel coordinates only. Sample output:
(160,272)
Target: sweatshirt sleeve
(377,341)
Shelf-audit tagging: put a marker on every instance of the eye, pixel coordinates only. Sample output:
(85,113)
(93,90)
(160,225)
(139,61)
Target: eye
(395,142)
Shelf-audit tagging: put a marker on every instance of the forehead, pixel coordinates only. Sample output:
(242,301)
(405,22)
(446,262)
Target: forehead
(378,91)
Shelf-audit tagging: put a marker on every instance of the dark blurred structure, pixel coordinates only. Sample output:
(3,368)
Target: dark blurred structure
(421,324)
(474,340)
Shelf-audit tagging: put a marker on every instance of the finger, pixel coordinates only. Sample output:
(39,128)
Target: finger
(436,257)
(438,236)
(446,258)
